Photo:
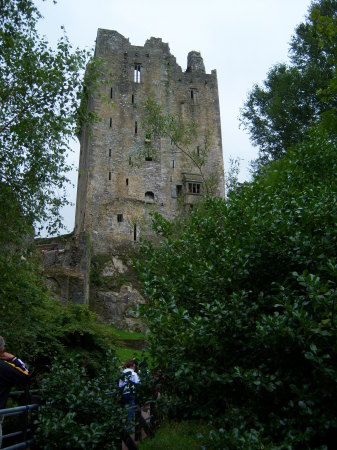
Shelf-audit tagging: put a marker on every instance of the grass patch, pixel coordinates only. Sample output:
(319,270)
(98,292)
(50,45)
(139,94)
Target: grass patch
(128,335)
(124,353)
(191,435)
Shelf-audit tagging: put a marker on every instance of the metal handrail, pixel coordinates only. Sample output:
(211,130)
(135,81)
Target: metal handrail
(25,444)
(18,410)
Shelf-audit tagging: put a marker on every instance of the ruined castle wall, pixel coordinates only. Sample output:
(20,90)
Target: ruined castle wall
(115,195)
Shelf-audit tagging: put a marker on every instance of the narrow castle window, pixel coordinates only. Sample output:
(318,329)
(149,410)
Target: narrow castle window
(130,161)
(109,152)
(198,150)
(119,217)
(135,232)
(110,122)
(111,93)
(194,96)
(109,176)
(133,99)
(127,181)
(136,73)
(179,188)
(173,163)
(136,127)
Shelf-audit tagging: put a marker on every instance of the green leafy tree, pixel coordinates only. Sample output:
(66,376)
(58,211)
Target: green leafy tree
(81,412)
(39,97)
(296,96)
(241,306)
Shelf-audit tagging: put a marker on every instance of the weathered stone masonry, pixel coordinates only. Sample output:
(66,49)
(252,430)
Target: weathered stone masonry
(114,196)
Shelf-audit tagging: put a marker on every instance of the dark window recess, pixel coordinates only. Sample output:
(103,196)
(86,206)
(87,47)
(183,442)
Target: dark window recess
(135,232)
(173,164)
(133,99)
(110,122)
(136,127)
(110,176)
(198,150)
(109,152)
(194,96)
(111,93)
(130,161)
(148,158)
(149,196)
(136,73)
(194,188)
(179,188)
(119,217)
(127,181)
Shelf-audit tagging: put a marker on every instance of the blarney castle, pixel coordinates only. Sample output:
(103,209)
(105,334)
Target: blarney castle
(115,195)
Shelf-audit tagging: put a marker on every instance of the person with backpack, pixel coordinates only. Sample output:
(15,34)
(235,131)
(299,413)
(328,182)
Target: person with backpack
(127,385)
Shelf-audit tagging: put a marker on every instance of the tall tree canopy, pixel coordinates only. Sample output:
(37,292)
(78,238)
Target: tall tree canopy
(39,94)
(297,96)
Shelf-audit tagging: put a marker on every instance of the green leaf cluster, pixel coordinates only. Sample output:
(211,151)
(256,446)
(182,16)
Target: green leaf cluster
(296,96)
(241,306)
(40,89)
(81,412)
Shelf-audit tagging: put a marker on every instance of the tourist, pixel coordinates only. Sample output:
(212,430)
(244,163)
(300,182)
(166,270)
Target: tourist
(127,387)
(12,372)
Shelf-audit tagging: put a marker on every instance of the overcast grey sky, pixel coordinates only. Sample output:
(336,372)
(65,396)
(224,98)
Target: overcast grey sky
(241,39)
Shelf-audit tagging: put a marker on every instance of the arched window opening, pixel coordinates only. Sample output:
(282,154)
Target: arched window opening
(149,197)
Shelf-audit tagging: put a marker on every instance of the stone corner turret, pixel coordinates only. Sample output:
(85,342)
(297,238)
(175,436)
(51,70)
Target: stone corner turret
(195,63)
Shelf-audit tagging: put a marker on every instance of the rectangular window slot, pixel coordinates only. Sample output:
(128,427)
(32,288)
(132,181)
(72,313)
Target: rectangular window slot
(148,158)
(133,99)
(109,176)
(130,161)
(135,232)
(109,152)
(111,93)
(136,127)
(110,122)
(127,181)
(194,96)
(136,73)
(179,188)
(173,163)
(198,150)
(119,217)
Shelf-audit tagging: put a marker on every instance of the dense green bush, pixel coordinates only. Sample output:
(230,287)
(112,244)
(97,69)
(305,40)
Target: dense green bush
(78,411)
(241,306)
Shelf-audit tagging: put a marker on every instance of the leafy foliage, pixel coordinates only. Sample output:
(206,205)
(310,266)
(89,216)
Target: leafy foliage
(39,91)
(80,412)
(38,328)
(241,306)
(297,96)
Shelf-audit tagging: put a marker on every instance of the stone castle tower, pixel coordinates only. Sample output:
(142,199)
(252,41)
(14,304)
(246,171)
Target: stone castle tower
(114,195)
